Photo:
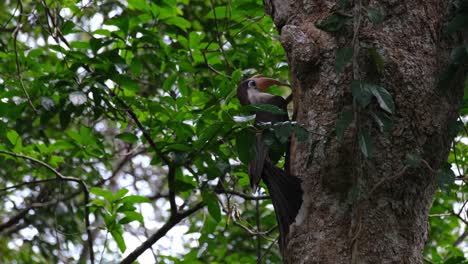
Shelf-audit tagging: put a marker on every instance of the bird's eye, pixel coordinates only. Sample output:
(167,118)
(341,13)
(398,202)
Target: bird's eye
(251,84)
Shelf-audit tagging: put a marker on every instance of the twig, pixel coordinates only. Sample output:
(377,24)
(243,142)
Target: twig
(250,231)
(213,69)
(173,220)
(269,249)
(26,183)
(440,215)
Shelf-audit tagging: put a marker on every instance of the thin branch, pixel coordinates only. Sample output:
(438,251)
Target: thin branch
(26,183)
(441,215)
(213,69)
(173,221)
(15,219)
(252,232)
(274,242)
(46,165)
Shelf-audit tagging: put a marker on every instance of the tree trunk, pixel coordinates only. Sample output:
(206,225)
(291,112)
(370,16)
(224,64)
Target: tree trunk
(358,209)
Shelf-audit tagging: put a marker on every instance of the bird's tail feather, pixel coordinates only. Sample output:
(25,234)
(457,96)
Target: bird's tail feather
(286,195)
(256,165)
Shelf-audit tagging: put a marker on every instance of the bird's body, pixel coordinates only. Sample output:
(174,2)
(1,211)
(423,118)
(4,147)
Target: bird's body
(285,189)
(249,92)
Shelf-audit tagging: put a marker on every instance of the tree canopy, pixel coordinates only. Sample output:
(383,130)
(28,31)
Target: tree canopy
(119,123)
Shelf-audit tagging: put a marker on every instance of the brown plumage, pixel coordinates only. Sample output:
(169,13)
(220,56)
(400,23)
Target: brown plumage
(285,189)
(251,91)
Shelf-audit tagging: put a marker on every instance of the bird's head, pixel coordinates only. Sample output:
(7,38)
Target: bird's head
(256,83)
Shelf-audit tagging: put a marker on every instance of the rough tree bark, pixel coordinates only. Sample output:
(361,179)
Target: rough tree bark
(359,210)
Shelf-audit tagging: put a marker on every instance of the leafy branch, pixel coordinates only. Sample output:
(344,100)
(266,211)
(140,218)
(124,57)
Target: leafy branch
(62,177)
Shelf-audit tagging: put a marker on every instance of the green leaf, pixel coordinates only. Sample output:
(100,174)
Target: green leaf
(108,195)
(118,237)
(445,177)
(332,23)
(343,57)
(125,207)
(342,123)
(14,138)
(130,217)
(211,201)
(133,199)
(119,194)
(194,39)
(264,108)
(384,123)
(218,12)
(361,93)
(56,160)
(80,45)
(245,142)
(183,186)
(138,4)
(179,22)
(98,203)
(384,98)
(365,143)
(67,27)
(62,145)
(375,15)
(127,137)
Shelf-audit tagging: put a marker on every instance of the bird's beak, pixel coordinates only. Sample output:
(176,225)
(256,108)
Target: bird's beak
(263,83)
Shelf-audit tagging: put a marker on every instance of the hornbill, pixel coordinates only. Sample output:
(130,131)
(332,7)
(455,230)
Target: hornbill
(285,189)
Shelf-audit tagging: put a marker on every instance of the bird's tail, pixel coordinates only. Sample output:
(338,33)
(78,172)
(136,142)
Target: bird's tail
(286,195)
(256,165)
